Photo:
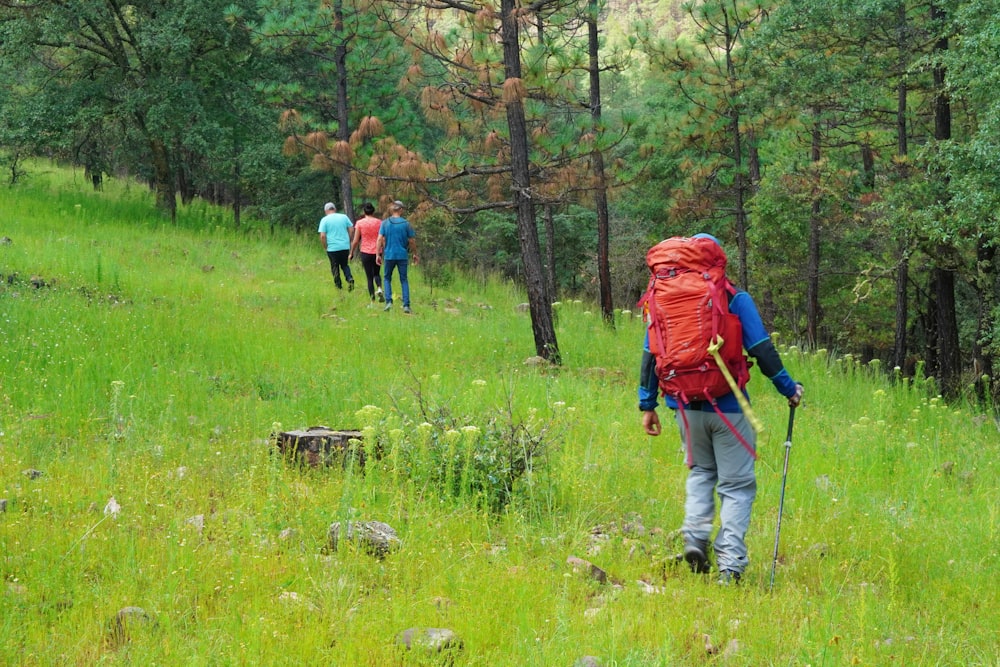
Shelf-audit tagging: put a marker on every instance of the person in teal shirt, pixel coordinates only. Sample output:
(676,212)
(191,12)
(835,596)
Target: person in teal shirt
(396,244)
(336,231)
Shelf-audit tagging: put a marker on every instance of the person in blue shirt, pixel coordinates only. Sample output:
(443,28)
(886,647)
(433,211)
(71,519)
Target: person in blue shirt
(336,231)
(720,461)
(397,243)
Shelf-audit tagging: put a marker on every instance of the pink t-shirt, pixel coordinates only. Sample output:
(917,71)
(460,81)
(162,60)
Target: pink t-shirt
(368,228)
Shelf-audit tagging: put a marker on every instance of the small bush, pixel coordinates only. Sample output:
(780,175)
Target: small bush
(472,459)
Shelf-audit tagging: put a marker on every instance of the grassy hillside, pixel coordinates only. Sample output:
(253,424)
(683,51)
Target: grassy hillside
(143,368)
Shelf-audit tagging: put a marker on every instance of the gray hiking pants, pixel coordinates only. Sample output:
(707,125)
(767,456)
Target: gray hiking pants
(719,463)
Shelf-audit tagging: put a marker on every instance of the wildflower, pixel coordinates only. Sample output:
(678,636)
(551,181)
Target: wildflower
(369,413)
(479,383)
(112,509)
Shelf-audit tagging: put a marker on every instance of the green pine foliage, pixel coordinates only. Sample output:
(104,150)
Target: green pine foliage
(150,363)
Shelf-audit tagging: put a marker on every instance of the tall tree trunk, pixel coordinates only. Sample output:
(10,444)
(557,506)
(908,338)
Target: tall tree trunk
(753,160)
(163,179)
(949,353)
(739,183)
(815,233)
(986,291)
(527,230)
(597,163)
(867,165)
(237,187)
(343,117)
(550,253)
(900,343)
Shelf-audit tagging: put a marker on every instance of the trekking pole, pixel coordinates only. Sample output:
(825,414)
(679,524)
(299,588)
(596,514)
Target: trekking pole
(781,502)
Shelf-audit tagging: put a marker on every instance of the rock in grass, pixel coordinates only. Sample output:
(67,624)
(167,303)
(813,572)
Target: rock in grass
(587,661)
(126,622)
(594,572)
(373,537)
(3,505)
(31,473)
(436,640)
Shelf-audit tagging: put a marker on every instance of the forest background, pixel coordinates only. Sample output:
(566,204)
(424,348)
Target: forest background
(844,148)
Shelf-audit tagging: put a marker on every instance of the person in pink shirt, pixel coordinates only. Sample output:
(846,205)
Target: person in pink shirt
(366,238)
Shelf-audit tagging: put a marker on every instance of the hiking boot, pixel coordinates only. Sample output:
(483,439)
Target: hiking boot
(729,578)
(378,293)
(696,558)
(350,285)
(406,309)
(388,307)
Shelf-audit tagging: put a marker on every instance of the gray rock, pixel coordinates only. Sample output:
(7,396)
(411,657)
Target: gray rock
(373,537)
(430,639)
(587,661)
(127,620)
(31,473)
(595,573)
(3,504)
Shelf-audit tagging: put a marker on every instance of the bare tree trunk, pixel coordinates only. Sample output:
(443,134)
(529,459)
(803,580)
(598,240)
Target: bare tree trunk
(740,205)
(753,160)
(527,230)
(163,180)
(550,253)
(812,261)
(237,188)
(597,163)
(343,117)
(949,352)
(986,291)
(900,343)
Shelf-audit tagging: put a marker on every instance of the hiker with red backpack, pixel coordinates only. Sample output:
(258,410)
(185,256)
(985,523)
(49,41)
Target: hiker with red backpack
(699,324)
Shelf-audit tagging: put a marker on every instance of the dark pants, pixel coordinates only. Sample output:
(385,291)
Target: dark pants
(338,261)
(372,272)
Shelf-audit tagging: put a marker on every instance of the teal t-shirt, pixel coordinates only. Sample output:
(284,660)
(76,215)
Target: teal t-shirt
(397,232)
(335,226)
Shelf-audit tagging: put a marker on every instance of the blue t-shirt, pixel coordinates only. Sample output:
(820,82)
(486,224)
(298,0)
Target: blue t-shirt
(335,226)
(397,232)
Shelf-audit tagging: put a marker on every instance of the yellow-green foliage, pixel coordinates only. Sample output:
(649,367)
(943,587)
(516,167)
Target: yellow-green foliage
(149,364)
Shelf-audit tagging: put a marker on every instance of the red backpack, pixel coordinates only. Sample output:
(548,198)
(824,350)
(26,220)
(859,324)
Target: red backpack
(687,308)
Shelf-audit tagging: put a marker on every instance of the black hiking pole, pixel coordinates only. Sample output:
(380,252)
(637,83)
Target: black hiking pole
(781,502)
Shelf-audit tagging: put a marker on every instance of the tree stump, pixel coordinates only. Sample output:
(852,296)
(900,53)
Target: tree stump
(321,446)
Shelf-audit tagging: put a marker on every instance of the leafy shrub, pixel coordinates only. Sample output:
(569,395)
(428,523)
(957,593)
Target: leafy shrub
(462,457)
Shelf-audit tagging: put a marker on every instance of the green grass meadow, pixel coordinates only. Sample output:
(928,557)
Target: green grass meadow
(151,362)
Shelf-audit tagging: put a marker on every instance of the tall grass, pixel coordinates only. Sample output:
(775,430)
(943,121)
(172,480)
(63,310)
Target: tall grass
(151,362)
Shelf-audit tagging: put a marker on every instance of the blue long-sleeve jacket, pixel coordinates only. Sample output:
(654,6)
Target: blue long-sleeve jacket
(757,343)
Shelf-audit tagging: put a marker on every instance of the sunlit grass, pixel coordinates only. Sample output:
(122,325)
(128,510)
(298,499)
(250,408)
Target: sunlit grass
(155,361)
